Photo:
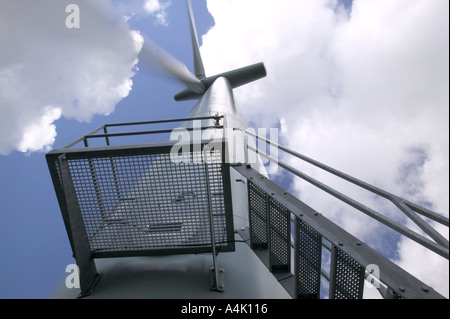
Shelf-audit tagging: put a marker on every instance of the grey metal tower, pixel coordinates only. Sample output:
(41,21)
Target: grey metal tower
(147,218)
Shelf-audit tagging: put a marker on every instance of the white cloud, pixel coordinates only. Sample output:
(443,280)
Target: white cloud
(144,8)
(158,10)
(48,71)
(40,132)
(161,14)
(366,93)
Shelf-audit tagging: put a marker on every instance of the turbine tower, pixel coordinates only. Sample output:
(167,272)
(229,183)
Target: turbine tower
(144,220)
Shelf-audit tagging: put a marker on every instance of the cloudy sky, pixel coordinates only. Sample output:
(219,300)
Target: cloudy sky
(362,87)
(359,85)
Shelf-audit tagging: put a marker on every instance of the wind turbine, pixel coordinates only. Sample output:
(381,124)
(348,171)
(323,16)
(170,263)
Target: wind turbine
(215,97)
(215,93)
(265,212)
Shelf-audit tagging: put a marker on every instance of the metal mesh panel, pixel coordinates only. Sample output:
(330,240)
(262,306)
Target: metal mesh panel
(308,252)
(146,202)
(280,234)
(258,216)
(348,279)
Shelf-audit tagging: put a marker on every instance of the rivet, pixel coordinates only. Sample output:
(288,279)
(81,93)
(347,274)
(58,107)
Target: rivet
(341,244)
(358,243)
(425,288)
(272,194)
(401,288)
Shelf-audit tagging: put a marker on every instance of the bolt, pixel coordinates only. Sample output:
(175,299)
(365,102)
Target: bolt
(358,243)
(341,244)
(425,289)
(401,288)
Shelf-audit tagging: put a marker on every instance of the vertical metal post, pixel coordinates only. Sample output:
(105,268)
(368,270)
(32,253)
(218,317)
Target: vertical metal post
(113,167)
(105,130)
(81,248)
(217,283)
(97,188)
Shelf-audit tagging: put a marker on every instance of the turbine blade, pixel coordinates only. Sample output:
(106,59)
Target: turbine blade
(198,63)
(153,54)
(241,76)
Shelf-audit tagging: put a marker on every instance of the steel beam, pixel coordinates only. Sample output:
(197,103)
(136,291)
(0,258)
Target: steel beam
(81,247)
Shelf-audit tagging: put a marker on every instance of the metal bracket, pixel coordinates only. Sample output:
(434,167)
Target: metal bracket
(217,279)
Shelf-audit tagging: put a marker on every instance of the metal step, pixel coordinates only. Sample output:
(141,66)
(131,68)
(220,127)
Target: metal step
(275,216)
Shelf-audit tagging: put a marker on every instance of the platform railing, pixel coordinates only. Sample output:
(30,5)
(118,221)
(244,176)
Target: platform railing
(108,136)
(352,262)
(439,244)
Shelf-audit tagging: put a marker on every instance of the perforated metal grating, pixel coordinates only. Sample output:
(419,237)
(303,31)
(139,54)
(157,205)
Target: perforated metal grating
(280,244)
(308,260)
(258,216)
(269,218)
(348,279)
(147,203)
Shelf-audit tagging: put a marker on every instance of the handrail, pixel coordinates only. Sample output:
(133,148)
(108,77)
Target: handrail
(270,206)
(440,245)
(107,135)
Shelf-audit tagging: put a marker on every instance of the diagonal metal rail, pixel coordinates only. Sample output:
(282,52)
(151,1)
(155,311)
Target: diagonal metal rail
(351,261)
(439,244)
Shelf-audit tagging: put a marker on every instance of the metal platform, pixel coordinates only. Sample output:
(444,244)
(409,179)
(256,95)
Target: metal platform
(143,200)
(148,224)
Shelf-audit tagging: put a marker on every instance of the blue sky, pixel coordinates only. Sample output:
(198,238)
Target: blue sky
(34,249)
(363,89)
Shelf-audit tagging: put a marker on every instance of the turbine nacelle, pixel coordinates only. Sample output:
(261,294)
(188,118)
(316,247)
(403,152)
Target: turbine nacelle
(236,78)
